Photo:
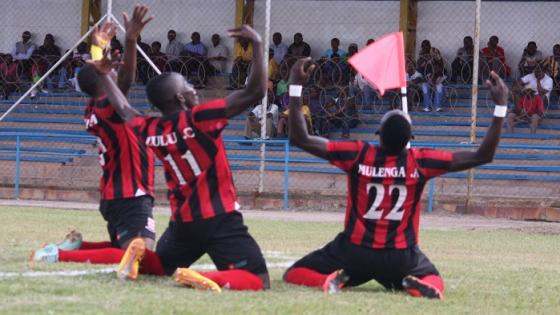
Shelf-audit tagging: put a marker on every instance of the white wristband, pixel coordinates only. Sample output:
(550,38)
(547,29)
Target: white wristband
(295,90)
(500,111)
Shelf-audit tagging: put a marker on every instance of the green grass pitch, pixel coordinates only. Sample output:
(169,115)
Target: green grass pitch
(486,272)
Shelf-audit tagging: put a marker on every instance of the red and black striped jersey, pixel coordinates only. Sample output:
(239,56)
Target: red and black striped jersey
(384,191)
(128,165)
(189,143)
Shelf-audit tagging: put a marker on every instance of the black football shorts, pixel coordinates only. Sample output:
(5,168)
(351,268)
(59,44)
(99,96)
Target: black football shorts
(362,264)
(224,237)
(128,218)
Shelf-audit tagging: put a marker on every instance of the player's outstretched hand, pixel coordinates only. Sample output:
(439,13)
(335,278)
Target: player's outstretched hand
(101,36)
(107,63)
(135,25)
(498,89)
(301,71)
(245,32)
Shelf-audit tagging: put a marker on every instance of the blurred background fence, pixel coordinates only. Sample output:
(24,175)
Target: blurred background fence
(55,158)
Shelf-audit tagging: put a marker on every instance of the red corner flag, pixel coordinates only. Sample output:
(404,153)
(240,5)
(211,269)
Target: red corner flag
(382,62)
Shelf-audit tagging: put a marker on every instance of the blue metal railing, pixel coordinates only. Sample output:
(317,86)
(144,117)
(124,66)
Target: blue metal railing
(271,144)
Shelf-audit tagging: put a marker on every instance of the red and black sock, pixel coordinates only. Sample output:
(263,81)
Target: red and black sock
(235,279)
(109,255)
(305,276)
(149,265)
(95,245)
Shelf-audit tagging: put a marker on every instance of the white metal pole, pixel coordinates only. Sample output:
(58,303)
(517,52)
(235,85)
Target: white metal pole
(404,99)
(474,92)
(265,99)
(110,9)
(61,60)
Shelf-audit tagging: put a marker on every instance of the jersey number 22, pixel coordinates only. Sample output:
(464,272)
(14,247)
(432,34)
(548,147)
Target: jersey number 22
(396,212)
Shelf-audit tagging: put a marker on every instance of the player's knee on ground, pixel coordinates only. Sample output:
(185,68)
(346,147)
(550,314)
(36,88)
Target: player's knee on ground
(265,278)
(149,243)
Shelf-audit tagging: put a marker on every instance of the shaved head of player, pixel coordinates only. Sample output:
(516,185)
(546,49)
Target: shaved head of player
(395,131)
(171,93)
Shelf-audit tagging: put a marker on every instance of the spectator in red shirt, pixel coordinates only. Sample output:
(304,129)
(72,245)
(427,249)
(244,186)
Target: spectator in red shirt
(495,58)
(8,75)
(530,94)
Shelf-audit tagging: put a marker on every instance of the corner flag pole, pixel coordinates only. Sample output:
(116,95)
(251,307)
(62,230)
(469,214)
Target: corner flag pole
(474,95)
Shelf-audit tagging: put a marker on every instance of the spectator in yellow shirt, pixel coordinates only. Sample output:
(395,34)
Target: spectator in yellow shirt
(243,57)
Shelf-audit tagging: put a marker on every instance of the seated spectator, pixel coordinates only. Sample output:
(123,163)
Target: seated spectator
(22,52)
(280,49)
(433,88)
(429,57)
(145,47)
(282,89)
(299,48)
(362,90)
(332,66)
(173,51)
(141,63)
(335,43)
(461,68)
(116,45)
(253,121)
(315,107)
(79,58)
(350,74)
(194,57)
(273,66)
(217,56)
(282,128)
(530,58)
(243,57)
(552,64)
(531,96)
(414,80)
(159,58)
(46,56)
(339,112)
(8,75)
(494,57)
(369,41)
(352,49)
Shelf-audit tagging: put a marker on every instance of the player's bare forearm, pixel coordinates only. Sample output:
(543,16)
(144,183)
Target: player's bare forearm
(486,151)
(117,98)
(299,135)
(127,71)
(255,89)
(134,26)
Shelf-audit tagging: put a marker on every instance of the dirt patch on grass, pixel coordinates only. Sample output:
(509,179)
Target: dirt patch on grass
(434,221)
(439,220)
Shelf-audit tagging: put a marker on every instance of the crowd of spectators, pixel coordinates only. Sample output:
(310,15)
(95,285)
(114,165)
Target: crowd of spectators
(335,91)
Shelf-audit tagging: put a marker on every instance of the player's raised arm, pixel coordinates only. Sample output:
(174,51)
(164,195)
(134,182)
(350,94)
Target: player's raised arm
(104,67)
(299,135)
(134,27)
(485,153)
(255,89)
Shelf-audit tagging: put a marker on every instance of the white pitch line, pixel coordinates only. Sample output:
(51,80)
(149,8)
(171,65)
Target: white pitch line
(62,273)
(77,273)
